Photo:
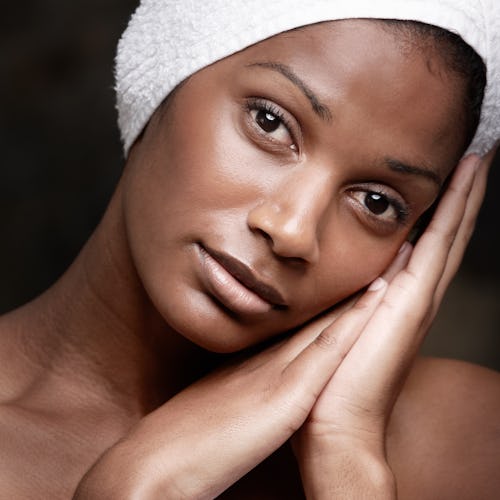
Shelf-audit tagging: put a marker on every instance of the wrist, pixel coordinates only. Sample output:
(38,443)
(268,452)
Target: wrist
(345,469)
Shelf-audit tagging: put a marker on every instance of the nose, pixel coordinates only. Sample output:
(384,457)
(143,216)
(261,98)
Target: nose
(290,216)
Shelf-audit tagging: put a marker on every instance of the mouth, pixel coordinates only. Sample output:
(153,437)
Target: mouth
(235,285)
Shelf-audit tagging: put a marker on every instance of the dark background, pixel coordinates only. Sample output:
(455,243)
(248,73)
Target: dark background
(60,158)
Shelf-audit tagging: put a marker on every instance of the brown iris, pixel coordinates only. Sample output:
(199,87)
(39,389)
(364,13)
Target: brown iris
(267,121)
(376,203)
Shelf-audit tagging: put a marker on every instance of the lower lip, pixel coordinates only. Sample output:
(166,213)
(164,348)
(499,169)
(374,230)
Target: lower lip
(228,290)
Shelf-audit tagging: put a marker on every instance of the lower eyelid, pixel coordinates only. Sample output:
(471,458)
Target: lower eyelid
(256,103)
(253,105)
(402,211)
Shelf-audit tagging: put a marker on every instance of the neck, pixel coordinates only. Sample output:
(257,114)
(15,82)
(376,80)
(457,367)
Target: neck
(96,329)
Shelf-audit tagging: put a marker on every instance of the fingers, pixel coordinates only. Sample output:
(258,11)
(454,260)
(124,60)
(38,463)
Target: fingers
(317,362)
(399,262)
(437,254)
(320,357)
(300,340)
(467,225)
(439,237)
(340,328)
(368,379)
(382,330)
(390,340)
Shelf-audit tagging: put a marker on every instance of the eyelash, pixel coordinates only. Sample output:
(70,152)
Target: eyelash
(402,210)
(260,104)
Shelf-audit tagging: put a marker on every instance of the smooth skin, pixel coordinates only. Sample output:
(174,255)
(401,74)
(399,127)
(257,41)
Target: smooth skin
(102,383)
(341,445)
(289,204)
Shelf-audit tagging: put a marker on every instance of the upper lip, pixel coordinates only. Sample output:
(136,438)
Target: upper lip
(246,277)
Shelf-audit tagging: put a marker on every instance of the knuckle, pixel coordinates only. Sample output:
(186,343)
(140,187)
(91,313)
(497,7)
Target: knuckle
(455,189)
(331,341)
(403,285)
(327,340)
(442,233)
(361,305)
(406,300)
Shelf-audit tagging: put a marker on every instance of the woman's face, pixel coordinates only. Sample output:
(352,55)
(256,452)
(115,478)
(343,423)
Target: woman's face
(284,178)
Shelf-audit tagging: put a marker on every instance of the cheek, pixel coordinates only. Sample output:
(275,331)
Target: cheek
(351,263)
(205,163)
(183,173)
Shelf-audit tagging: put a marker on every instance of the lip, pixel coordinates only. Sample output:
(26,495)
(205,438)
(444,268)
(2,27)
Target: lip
(235,285)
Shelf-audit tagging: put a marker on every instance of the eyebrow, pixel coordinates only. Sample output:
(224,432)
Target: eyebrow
(399,166)
(325,114)
(319,108)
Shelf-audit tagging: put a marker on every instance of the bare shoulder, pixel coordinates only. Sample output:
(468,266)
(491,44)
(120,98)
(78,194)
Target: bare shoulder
(444,434)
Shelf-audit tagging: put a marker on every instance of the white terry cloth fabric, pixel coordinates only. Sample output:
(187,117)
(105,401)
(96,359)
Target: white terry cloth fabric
(168,40)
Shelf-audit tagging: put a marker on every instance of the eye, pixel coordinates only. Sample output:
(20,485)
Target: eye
(384,207)
(266,120)
(377,203)
(270,121)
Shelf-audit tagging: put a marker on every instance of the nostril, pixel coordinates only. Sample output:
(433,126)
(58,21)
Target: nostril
(264,234)
(282,254)
(289,233)
(295,262)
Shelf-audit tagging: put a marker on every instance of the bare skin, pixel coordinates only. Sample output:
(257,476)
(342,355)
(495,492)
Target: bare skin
(93,360)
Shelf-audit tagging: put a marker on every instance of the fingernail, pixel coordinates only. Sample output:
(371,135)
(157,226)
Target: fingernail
(377,284)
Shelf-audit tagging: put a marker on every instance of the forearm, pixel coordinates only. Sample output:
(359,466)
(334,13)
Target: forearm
(346,472)
(145,467)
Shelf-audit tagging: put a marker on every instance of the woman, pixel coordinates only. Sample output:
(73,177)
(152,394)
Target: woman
(268,188)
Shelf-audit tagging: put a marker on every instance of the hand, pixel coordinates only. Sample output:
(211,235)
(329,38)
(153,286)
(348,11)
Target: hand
(347,423)
(212,433)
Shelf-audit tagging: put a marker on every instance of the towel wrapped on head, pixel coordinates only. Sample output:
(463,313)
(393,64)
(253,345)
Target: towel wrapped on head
(168,40)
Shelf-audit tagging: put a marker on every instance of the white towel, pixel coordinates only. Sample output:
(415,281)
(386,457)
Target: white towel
(168,40)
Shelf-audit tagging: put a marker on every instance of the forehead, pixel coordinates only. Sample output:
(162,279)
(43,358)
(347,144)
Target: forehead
(366,68)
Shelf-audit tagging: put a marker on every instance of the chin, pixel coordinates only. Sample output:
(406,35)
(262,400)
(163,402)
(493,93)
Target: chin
(213,341)
(207,325)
